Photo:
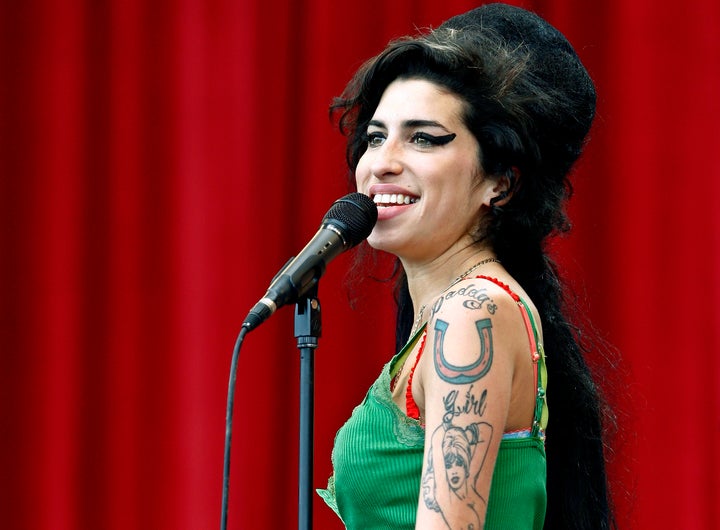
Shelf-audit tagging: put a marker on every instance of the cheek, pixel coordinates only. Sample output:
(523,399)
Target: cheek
(361,173)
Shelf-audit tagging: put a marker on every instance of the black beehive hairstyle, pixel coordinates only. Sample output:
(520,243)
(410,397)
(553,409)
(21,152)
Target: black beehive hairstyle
(552,62)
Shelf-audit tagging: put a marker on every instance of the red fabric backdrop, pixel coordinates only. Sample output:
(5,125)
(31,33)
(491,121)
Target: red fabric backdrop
(161,160)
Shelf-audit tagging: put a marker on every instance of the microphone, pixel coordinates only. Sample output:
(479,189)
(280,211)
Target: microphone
(348,222)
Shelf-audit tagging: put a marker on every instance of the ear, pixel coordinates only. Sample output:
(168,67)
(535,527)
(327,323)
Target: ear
(500,190)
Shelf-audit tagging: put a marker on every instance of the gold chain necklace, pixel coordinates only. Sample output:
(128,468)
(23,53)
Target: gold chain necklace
(456,280)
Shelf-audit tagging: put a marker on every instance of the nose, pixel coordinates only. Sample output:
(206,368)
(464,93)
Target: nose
(386,160)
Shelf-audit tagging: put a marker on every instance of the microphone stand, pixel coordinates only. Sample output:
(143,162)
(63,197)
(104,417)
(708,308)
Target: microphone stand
(307,331)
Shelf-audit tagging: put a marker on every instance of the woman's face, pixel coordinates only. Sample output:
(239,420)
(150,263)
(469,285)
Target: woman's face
(422,169)
(456,471)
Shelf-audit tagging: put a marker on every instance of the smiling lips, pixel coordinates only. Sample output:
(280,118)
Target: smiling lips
(383,200)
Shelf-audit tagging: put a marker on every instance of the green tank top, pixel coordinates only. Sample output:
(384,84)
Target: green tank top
(378,457)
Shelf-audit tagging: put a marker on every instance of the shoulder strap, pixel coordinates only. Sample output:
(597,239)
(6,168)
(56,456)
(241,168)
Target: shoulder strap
(537,355)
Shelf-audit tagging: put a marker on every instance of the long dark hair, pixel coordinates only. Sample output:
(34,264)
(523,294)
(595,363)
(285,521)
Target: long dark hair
(530,104)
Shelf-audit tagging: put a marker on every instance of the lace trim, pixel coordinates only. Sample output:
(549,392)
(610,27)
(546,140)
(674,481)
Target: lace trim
(328,495)
(514,435)
(408,431)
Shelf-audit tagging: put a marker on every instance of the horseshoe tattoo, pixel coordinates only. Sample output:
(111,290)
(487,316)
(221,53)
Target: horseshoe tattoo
(469,373)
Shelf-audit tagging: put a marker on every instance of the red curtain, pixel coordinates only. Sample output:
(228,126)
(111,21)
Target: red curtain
(160,161)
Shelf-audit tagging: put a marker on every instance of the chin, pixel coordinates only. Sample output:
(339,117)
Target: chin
(382,245)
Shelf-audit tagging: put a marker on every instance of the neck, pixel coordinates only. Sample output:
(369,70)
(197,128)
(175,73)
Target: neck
(427,280)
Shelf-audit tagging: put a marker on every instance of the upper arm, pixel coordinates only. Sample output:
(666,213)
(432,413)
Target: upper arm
(467,374)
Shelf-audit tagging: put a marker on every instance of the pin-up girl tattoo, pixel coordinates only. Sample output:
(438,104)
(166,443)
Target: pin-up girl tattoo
(449,485)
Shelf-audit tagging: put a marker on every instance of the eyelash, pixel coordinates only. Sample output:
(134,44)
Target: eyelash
(415,138)
(369,138)
(433,140)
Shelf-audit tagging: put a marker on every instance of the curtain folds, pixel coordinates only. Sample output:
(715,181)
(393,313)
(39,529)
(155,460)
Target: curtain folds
(160,161)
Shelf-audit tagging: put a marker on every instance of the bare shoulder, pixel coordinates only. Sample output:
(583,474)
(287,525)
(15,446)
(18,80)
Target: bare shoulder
(473,303)
(475,332)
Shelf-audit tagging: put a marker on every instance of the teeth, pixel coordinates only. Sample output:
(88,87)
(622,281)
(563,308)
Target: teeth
(393,198)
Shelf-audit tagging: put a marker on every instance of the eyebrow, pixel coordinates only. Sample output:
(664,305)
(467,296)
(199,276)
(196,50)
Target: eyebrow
(411,124)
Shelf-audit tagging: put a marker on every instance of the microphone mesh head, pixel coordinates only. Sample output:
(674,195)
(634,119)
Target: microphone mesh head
(354,216)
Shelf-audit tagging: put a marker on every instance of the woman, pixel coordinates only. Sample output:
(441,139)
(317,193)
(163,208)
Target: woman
(464,138)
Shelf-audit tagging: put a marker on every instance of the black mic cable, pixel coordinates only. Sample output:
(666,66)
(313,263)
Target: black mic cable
(228,426)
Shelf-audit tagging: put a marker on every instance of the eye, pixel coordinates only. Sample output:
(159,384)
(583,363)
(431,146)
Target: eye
(375,139)
(424,139)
